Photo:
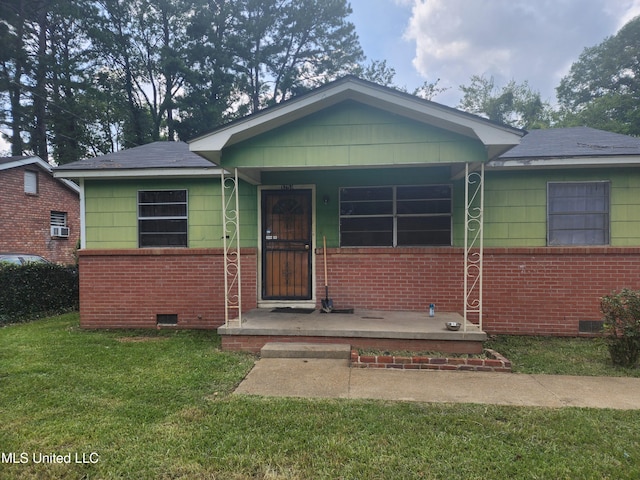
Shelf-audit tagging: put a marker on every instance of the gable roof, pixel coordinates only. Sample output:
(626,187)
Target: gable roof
(574,146)
(154,159)
(496,138)
(7,163)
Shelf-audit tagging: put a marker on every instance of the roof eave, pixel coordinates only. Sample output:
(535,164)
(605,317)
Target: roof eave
(138,173)
(26,161)
(569,162)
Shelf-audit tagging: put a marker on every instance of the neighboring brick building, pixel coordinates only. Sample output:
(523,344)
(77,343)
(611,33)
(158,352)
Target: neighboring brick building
(39,214)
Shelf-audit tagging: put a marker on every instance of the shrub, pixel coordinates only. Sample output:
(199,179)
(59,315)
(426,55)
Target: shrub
(36,289)
(622,326)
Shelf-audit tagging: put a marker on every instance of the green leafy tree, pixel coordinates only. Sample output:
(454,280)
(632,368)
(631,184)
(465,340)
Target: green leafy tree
(602,89)
(514,104)
(377,71)
(17,18)
(286,47)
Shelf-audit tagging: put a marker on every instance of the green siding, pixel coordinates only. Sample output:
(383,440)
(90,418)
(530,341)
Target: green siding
(112,221)
(353,135)
(516,205)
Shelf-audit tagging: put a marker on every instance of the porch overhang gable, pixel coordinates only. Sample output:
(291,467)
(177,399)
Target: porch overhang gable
(495,138)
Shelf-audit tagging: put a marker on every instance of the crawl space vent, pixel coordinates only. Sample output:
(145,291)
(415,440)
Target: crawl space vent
(167,318)
(590,326)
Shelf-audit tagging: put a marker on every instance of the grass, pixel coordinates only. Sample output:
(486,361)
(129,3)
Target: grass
(159,405)
(559,356)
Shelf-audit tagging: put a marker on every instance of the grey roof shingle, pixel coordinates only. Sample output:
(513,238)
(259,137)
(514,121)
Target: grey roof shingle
(4,160)
(573,142)
(152,155)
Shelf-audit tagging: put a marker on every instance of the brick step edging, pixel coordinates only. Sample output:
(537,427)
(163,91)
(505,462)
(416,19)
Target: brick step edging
(495,363)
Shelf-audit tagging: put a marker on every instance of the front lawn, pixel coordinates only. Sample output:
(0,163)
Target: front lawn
(158,405)
(559,356)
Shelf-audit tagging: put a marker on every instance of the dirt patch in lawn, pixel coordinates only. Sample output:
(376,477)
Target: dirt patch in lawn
(140,339)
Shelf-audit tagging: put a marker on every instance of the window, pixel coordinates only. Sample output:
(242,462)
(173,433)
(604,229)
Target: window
(395,216)
(162,218)
(58,223)
(30,182)
(578,213)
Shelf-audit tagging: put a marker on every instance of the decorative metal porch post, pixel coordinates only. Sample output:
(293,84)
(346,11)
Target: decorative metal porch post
(231,245)
(473,243)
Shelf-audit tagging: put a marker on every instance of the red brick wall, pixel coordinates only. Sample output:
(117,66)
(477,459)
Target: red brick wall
(546,291)
(393,278)
(28,216)
(532,291)
(128,288)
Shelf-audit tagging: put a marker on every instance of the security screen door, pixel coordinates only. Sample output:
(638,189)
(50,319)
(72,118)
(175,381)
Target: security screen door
(286,244)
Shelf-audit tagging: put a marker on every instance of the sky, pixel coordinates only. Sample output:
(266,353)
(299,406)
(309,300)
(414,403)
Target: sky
(451,40)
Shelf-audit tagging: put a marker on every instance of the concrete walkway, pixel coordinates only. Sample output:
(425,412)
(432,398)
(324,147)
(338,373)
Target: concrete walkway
(331,378)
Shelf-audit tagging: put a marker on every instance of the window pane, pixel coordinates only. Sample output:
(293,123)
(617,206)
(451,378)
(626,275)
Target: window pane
(162,218)
(163,226)
(424,206)
(366,208)
(424,230)
(179,210)
(376,231)
(578,213)
(366,201)
(424,191)
(163,240)
(163,196)
(366,193)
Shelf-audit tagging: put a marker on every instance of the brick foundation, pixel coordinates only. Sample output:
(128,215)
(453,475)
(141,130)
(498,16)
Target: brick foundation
(129,288)
(527,291)
(495,362)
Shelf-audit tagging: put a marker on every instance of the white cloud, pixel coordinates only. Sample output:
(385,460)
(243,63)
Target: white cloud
(521,40)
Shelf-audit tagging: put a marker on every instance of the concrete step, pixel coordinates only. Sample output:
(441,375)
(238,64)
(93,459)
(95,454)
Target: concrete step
(306,350)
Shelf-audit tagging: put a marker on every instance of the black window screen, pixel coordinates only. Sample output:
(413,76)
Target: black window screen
(162,218)
(578,213)
(395,216)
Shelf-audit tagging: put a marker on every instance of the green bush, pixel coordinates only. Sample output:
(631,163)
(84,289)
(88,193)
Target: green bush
(36,289)
(622,326)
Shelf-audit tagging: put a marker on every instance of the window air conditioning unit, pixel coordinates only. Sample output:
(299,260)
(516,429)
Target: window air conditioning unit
(60,232)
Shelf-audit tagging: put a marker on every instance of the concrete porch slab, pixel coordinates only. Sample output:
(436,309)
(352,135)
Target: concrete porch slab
(392,330)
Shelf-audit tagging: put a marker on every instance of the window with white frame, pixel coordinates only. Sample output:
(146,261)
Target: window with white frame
(403,215)
(578,213)
(162,218)
(30,182)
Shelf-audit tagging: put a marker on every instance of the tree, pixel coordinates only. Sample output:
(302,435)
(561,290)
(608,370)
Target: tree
(602,89)
(377,71)
(15,63)
(286,47)
(514,105)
